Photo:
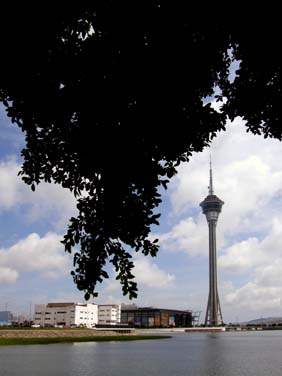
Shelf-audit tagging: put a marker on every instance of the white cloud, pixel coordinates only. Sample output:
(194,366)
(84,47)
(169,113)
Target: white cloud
(50,202)
(149,274)
(11,136)
(270,275)
(261,261)
(112,285)
(187,236)
(240,161)
(256,297)
(248,186)
(34,254)
(242,256)
(8,275)
(9,184)
(251,253)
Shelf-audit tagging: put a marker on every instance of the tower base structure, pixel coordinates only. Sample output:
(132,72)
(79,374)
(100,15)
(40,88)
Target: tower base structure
(213,313)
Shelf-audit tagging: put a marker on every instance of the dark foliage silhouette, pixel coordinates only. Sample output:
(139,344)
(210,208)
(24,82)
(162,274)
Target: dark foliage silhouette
(110,98)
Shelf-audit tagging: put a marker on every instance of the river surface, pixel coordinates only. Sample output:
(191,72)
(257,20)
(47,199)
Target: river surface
(195,354)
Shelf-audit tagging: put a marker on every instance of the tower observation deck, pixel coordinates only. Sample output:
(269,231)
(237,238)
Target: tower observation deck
(211,207)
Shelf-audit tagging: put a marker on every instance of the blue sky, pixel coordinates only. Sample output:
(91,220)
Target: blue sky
(247,177)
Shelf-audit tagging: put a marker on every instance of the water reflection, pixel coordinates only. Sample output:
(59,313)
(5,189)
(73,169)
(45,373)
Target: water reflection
(195,354)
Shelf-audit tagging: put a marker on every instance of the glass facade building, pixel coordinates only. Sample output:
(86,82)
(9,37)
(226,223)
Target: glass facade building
(145,317)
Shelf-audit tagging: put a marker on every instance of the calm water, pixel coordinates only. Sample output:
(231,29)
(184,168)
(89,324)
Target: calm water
(195,354)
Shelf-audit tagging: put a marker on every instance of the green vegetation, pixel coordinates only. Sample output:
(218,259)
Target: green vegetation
(45,341)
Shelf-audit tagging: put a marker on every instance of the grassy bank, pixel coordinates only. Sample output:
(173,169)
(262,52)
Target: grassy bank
(45,341)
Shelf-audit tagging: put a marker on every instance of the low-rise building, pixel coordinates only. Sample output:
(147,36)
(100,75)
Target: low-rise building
(155,317)
(109,314)
(66,314)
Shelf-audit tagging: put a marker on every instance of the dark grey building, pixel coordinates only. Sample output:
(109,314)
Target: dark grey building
(6,317)
(145,317)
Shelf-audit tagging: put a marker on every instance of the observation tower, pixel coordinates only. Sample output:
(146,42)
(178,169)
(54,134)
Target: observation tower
(211,207)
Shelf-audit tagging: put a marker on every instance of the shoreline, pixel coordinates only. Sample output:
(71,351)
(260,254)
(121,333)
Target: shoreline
(48,336)
(53,333)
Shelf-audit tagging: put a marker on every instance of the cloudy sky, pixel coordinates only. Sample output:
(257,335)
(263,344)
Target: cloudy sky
(247,177)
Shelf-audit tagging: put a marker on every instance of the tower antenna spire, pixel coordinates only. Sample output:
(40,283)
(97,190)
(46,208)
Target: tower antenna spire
(211,182)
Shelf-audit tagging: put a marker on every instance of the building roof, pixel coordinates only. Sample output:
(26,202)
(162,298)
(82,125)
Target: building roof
(156,309)
(60,304)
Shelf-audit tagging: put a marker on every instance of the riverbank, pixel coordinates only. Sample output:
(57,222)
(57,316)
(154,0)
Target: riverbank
(53,333)
(46,336)
(49,340)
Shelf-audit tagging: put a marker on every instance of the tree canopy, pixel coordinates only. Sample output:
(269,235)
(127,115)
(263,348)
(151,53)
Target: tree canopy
(110,98)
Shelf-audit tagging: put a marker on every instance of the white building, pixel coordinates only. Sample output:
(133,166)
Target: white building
(66,314)
(109,314)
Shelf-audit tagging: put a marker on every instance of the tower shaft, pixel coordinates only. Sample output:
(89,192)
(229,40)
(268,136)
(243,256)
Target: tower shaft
(213,313)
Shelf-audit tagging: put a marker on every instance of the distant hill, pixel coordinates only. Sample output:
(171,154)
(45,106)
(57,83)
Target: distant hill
(264,320)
